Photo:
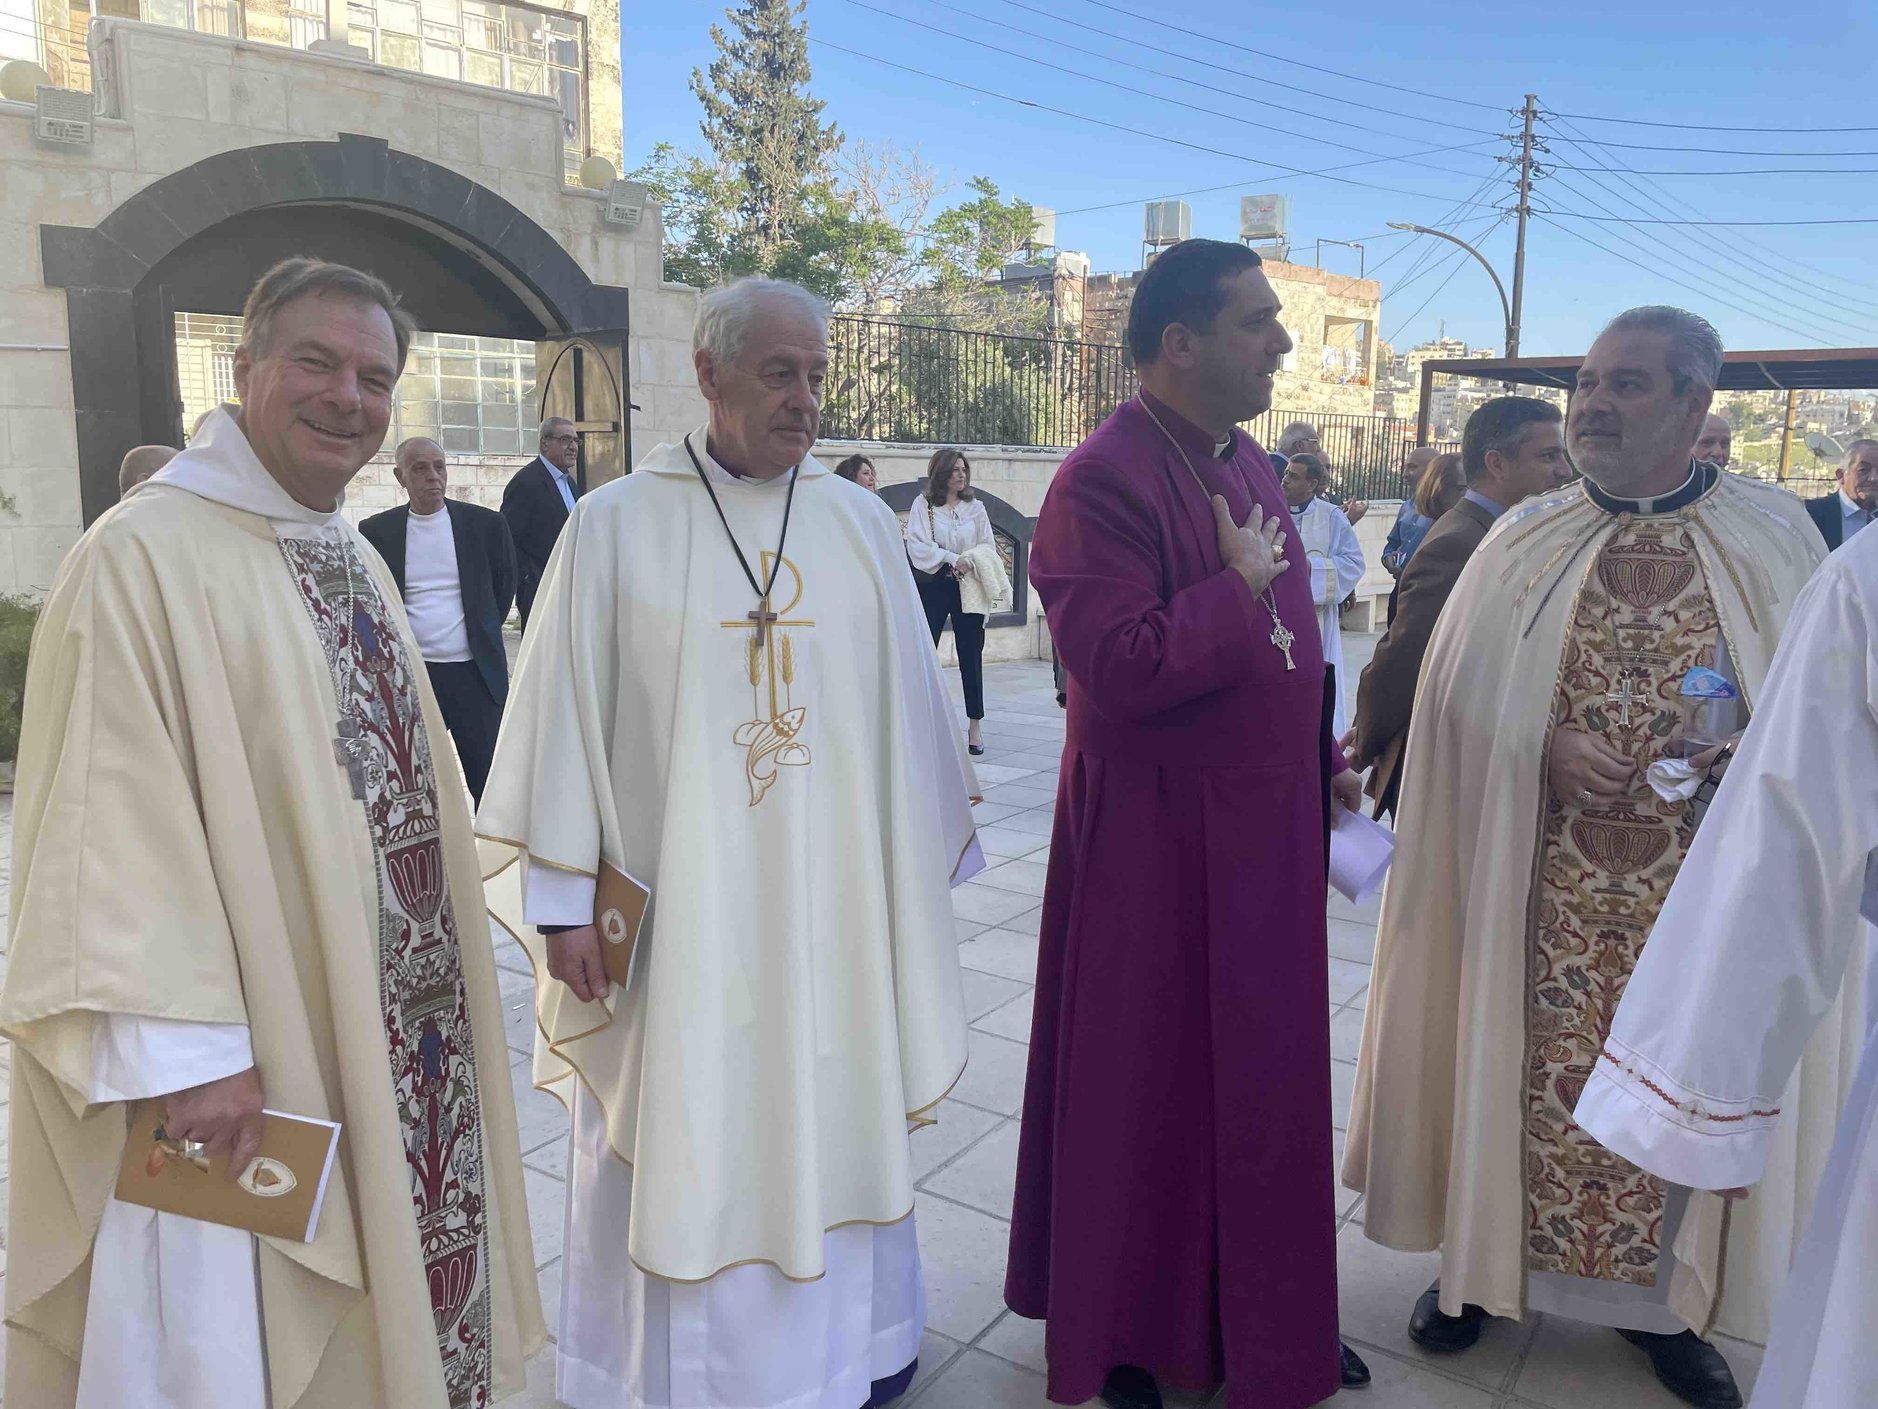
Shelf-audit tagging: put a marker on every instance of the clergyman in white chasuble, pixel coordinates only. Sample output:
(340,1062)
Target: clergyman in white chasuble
(728,693)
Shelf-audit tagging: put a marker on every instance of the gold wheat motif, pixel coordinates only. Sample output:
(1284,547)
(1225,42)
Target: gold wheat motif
(753,661)
(788,660)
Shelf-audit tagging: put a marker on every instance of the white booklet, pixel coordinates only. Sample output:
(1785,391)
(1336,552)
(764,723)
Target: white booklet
(1360,852)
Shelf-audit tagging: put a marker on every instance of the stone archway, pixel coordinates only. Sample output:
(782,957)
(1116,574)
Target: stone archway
(195,233)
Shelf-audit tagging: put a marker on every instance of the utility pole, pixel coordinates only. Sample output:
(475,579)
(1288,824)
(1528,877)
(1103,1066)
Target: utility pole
(1524,210)
(1786,439)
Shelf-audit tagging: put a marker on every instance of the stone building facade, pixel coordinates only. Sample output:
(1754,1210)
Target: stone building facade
(211,158)
(1332,319)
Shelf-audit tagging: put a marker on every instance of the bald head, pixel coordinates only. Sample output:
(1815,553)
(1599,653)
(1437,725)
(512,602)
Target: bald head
(140,464)
(424,471)
(1716,443)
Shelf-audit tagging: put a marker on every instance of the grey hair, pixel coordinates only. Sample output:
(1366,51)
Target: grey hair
(1294,435)
(1695,348)
(726,312)
(140,463)
(1851,451)
(295,278)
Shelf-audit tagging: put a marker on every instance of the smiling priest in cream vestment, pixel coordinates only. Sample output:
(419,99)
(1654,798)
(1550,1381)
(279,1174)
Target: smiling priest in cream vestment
(208,898)
(783,770)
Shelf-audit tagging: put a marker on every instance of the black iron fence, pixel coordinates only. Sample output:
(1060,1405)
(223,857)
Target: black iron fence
(901,382)
(890,381)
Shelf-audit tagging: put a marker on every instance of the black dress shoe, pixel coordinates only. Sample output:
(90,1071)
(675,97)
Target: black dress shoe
(977,750)
(1355,1372)
(1131,1387)
(886,1391)
(1432,1329)
(1690,1368)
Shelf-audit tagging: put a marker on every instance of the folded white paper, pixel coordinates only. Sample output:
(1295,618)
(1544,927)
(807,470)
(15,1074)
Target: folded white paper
(1360,851)
(1673,779)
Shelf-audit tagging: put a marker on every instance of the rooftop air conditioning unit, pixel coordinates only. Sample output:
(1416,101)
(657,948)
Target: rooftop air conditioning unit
(63,117)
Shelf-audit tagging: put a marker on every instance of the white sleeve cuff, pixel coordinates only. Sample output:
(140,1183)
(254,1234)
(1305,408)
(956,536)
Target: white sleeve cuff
(1685,1143)
(134,1058)
(551,896)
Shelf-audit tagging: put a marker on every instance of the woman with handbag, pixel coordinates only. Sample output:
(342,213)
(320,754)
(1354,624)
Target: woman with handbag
(945,525)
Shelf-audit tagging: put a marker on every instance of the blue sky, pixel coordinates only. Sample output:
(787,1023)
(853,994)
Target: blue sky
(1807,63)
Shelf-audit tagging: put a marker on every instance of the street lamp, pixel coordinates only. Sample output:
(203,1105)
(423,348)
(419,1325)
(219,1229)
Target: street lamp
(1506,308)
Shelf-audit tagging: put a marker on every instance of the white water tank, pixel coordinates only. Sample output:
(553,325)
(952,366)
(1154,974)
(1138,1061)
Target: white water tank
(1168,223)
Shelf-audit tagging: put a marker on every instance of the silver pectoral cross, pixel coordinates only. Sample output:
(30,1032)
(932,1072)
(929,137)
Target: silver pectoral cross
(1282,638)
(1623,694)
(349,752)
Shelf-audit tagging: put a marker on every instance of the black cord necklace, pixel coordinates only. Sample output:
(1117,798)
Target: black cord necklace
(762,618)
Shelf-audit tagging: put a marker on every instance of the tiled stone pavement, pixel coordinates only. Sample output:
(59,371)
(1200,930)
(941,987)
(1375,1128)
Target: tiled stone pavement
(978,1356)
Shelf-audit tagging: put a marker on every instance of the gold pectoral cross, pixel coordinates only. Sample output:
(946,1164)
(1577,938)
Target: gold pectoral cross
(770,740)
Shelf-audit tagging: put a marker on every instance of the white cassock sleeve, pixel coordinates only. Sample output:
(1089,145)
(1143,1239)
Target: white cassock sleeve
(555,897)
(1754,940)
(173,1317)
(134,1058)
(1346,554)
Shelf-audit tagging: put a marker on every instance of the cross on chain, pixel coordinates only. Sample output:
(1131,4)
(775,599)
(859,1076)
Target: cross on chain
(1624,694)
(1282,638)
(349,752)
(762,619)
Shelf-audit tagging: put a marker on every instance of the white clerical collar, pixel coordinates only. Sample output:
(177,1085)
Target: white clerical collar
(700,441)
(1648,506)
(220,466)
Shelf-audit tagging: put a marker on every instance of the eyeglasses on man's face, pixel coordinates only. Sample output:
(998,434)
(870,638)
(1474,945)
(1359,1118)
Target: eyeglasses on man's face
(568,439)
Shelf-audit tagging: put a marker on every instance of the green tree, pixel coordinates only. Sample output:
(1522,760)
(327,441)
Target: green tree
(971,241)
(760,120)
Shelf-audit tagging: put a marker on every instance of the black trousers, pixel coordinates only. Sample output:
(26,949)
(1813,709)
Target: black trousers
(941,600)
(471,715)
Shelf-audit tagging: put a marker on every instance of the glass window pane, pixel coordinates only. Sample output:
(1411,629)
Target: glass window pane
(455,342)
(417,386)
(458,389)
(442,60)
(499,414)
(461,441)
(170,12)
(398,50)
(456,365)
(527,76)
(483,68)
(462,413)
(397,16)
(502,442)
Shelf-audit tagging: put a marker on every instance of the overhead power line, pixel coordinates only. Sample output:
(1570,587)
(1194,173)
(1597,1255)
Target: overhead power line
(1035,106)
(1759,257)
(1721,151)
(1693,288)
(1725,171)
(1260,79)
(1726,224)
(1755,261)
(1407,322)
(1162,22)
(1145,93)
(1709,126)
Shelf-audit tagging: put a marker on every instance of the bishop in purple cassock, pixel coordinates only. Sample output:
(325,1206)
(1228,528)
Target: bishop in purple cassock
(1174,1218)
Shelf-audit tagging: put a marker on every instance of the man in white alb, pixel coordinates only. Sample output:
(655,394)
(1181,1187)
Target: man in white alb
(455,564)
(1335,558)
(727,693)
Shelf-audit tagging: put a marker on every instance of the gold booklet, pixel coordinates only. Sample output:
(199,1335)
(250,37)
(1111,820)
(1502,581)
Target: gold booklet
(278,1195)
(619,911)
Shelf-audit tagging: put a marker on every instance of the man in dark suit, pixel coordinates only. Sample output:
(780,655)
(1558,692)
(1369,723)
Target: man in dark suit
(1513,447)
(537,502)
(455,568)
(1855,502)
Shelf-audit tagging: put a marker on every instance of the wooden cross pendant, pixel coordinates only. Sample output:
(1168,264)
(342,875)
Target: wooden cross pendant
(761,619)
(349,753)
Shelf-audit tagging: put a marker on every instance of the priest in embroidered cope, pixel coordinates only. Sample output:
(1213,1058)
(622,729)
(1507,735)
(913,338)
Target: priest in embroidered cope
(728,693)
(244,870)
(1174,1220)
(1523,895)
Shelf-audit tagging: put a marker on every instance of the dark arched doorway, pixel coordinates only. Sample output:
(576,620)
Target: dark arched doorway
(462,257)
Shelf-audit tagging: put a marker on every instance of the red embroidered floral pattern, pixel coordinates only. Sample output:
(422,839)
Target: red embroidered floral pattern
(427,1021)
(1604,873)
